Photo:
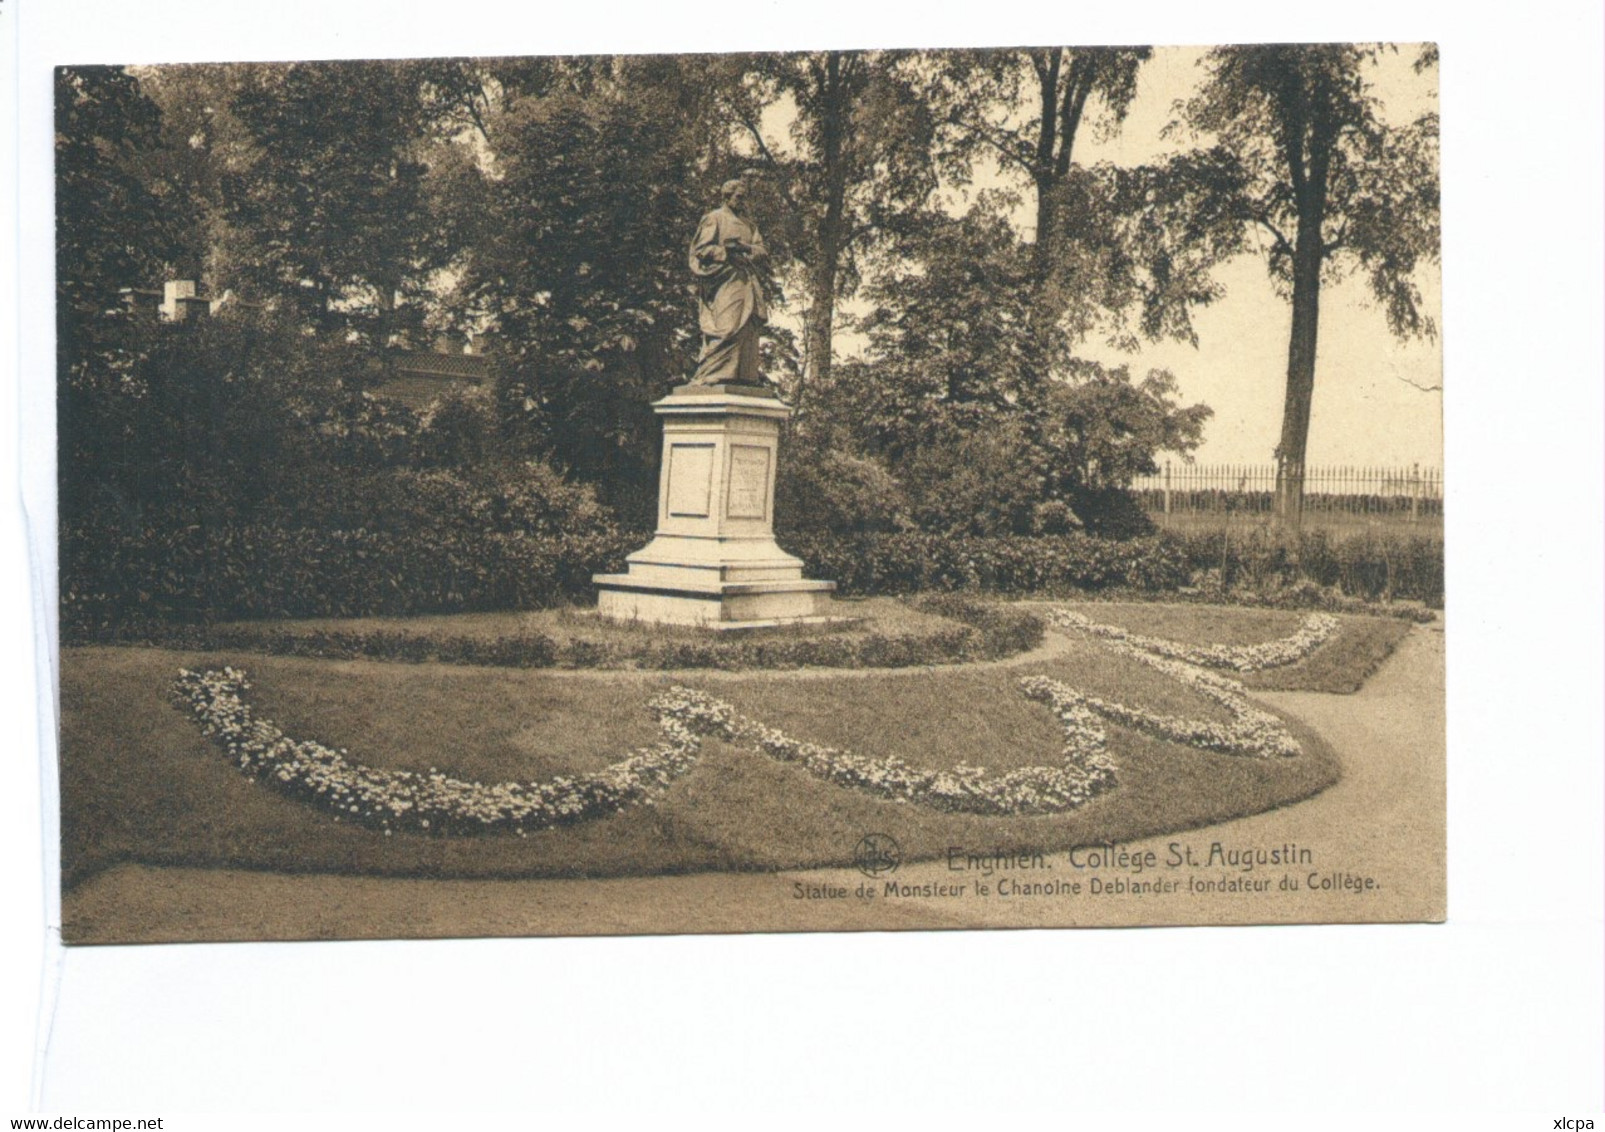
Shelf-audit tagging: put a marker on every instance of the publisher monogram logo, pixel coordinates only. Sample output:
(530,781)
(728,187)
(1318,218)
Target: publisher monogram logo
(877,854)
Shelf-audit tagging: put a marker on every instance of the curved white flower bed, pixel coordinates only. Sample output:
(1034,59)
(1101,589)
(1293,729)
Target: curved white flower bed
(1252,732)
(438,803)
(434,802)
(1313,633)
(1087,769)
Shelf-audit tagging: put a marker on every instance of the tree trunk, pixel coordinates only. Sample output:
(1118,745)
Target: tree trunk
(1043,168)
(385,324)
(1063,103)
(819,319)
(1308,129)
(1042,250)
(1307,255)
(835,102)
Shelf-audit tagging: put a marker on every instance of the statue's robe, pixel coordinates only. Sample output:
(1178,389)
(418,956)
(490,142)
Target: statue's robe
(731,308)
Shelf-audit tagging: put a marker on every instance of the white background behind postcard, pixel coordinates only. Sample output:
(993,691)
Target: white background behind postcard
(1498,1009)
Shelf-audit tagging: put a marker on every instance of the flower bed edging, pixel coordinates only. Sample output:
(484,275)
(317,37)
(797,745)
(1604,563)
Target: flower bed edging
(1315,630)
(1086,772)
(433,802)
(1251,732)
(980,631)
(437,803)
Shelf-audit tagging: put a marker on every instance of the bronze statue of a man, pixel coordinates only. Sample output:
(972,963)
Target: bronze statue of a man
(728,258)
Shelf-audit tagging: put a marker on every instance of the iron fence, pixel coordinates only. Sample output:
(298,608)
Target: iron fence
(1399,494)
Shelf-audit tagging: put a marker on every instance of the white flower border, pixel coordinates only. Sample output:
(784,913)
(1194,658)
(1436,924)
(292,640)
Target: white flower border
(1251,731)
(433,802)
(437,803)
(1315,630)
(1086,772)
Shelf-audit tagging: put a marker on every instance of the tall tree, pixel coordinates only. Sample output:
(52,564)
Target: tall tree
(860,162)
(335,204)
(578,268)
(205,142)
(954,400)
(1027,109)
(118,227)
(1334,187)
(949,337)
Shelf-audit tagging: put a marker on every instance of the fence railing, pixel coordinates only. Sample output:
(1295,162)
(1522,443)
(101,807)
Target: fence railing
(1397,494)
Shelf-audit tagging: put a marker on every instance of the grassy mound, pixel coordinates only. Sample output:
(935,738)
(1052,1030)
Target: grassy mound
(873,633)
(140,783)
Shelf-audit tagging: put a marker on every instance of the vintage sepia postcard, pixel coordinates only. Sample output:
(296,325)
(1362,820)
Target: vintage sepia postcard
(843,490)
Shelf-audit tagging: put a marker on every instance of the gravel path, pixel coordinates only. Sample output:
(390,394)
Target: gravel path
(1373,844)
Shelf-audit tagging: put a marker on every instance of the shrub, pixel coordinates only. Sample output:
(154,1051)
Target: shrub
(117,579)
(1113,513)
(398,541)
(911,562)
(982,483)
(1375,566)
(458,430)
(1005,631)
(522,498)
(536,499)
(830,490)
(1054,517)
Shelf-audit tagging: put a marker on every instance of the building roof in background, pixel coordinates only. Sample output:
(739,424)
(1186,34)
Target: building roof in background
(471,367)
(420,377)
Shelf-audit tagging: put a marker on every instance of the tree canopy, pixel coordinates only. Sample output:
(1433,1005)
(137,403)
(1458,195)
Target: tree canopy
(540,208)
(859,167)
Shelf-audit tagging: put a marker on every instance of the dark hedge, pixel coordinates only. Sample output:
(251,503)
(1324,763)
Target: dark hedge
(263,571)
(115,583)
(1374,566)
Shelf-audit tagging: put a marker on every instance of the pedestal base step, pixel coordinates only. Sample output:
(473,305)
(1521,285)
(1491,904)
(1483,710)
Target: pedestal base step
(729,605)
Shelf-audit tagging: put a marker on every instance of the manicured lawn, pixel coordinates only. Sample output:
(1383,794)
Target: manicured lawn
(139,782)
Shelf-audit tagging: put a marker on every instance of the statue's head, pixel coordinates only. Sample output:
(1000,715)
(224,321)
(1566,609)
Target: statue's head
(734,193)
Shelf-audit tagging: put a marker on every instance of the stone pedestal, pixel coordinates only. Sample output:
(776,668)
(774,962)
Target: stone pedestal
(714,561)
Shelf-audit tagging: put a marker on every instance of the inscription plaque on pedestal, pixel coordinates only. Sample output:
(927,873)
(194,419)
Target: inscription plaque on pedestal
(749,482)
(690,480)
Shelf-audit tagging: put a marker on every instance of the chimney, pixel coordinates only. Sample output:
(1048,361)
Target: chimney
(172,291)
